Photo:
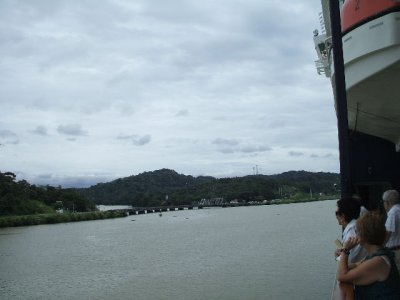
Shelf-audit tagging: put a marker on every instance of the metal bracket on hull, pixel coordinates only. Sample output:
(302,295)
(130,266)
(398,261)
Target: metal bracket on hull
(323,46)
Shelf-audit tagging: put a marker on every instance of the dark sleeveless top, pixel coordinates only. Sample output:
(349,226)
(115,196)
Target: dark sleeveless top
(385,290)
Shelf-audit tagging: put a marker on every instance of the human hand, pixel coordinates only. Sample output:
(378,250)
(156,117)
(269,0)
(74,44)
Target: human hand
(351,243)
(337,252)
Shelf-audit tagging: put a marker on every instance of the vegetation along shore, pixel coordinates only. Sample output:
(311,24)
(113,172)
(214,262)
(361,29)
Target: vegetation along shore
(22,203)
(37,219)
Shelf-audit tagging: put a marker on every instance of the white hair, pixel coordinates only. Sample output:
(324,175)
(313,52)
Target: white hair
(391,196)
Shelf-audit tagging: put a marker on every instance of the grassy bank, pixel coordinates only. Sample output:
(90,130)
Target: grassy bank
(26,220)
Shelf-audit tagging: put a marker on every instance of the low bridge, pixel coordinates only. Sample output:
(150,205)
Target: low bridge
(159,209)
(155,209)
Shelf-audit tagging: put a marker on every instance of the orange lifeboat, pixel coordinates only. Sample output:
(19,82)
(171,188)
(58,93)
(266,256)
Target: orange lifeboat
(357,12)
(371,55)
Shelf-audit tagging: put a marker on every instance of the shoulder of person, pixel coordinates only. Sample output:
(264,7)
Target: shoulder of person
(351,228)
(394,212)
(377,261)
(367,272)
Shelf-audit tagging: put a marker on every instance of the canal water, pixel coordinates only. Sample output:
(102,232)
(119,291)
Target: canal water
(259,252)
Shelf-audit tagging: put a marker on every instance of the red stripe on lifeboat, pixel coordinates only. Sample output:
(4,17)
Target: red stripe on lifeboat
(354,12)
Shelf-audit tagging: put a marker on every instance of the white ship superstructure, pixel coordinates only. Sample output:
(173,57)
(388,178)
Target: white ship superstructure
(371,54)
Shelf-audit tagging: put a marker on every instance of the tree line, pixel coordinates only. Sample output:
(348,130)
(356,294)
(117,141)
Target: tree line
(162,187)
(167,187)
(22,198)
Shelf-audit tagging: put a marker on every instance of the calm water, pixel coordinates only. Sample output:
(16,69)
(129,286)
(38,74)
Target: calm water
(265,252)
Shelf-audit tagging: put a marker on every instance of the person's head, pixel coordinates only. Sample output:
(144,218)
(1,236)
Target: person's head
(347,209)
(371,229)
(390,198)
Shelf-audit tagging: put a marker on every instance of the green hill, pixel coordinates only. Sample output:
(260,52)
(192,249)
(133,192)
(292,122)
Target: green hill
(22,198)
(152,188)
(163,187)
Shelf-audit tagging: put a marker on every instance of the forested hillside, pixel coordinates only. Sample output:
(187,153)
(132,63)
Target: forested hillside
(163,187)
(22,198)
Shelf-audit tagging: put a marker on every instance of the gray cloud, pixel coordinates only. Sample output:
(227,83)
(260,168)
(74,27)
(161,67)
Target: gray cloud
(224,142)
(126,137)
(8,137)
(227,150)
(201,69)
(295,153)
(127,110)
(136,139)
(11,142)
(40,130)
(253,149)
(143,140)
(71,129)
(5,133)
(328,155)
(70,181)
(246,149)
(277,124)
(182,113)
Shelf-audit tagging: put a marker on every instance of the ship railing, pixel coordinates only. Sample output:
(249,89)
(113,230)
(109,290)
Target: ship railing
(322,68)
(323,47)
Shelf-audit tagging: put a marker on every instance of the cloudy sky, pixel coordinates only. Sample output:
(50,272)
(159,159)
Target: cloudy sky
(95,90)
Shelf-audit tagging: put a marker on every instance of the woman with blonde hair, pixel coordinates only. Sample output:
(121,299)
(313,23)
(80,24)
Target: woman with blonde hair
(377,276)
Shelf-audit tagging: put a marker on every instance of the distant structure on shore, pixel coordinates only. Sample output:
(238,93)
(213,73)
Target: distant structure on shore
(212,202)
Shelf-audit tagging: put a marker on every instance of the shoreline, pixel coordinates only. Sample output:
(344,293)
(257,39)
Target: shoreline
(56,218)
(39,219)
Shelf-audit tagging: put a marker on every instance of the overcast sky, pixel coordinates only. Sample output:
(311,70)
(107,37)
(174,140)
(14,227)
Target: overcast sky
(91,91)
